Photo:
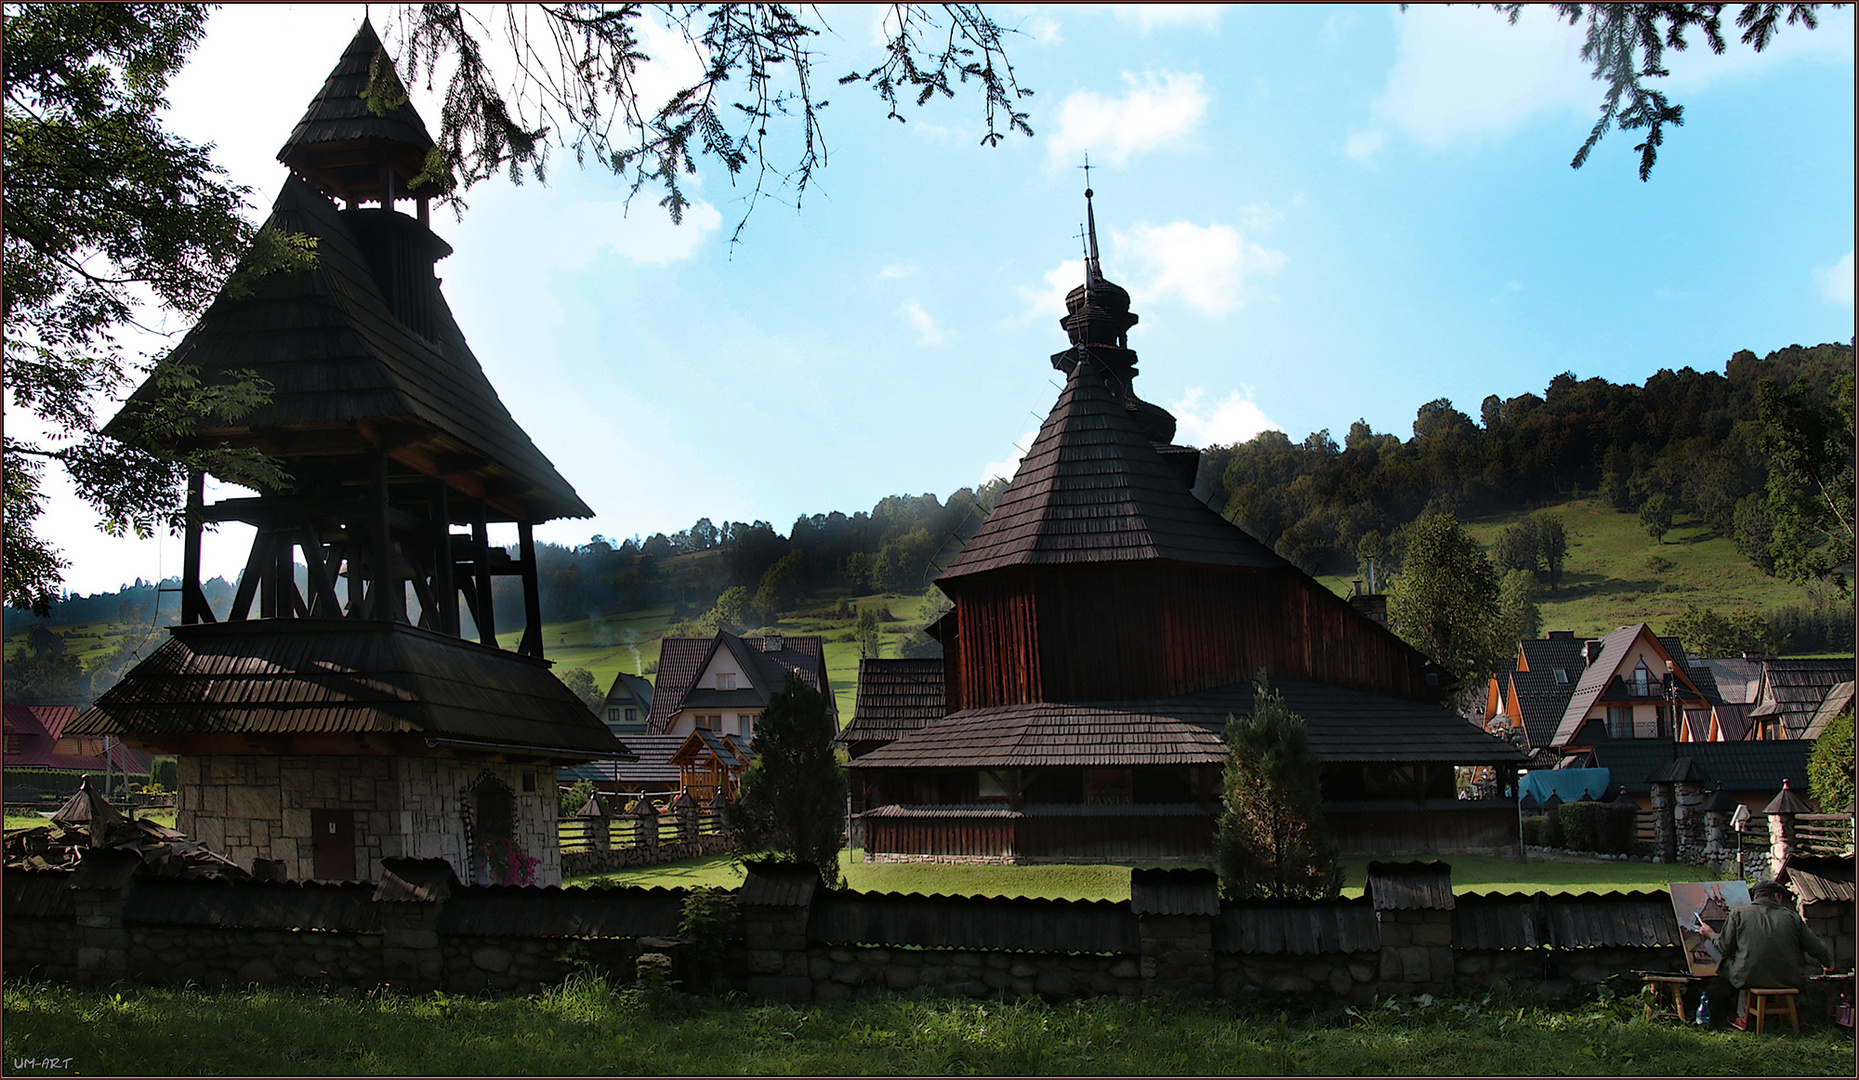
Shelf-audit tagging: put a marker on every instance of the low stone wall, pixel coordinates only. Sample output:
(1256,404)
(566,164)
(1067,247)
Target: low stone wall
(420,929)
(238,957)
(577,863)
(836,973)
(38,948)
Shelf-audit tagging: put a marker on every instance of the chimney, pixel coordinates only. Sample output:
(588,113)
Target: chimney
(1372,605)
(1590,651)
(1561,635)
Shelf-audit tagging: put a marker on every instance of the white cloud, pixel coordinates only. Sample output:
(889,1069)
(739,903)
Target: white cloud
(1230,420)
(1836,281)
(1049,300)
(1464,72)
(1208,266)
(1043,30)
(1365,144)
(896,270)
(1260,216)
(928,333)
(1006,467)
(1150,16)
(1505,290)
(1159,110)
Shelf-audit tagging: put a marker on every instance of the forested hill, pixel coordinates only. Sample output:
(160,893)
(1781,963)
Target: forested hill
(1689,438)
(1686,441)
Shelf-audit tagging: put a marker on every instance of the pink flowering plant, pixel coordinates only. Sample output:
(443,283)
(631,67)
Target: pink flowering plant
(507,862)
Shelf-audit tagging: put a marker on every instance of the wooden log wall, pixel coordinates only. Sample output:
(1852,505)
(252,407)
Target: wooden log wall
(1156,630)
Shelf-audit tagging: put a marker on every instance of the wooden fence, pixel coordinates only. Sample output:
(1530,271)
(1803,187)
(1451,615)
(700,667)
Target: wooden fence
(578,835)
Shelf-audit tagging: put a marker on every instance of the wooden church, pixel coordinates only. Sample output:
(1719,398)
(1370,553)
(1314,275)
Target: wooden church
(321,729)
(1106,623)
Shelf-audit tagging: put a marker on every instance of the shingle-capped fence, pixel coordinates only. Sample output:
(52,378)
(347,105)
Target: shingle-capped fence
(794,940)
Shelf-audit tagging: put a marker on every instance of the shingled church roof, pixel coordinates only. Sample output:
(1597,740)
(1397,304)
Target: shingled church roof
(1345,727)
(1093,489)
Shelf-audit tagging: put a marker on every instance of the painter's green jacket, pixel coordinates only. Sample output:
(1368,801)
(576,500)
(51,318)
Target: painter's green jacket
(1763,945)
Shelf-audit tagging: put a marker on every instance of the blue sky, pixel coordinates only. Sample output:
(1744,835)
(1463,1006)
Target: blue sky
(1322,214)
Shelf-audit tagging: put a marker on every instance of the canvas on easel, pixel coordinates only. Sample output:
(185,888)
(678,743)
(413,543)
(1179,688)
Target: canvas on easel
(1708,902)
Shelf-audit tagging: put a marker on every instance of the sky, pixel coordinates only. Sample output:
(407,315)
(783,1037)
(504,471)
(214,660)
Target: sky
(1322,214)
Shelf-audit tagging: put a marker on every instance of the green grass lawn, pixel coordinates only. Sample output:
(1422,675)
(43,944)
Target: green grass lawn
(1470,874)
(587,1027)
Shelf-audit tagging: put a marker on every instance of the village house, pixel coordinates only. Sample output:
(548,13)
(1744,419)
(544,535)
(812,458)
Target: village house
(722,684)
(321,730)
(1622,679)
(628,703)
(1106,623)
(35,739)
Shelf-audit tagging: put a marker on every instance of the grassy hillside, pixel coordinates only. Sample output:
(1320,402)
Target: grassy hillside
(1616,575)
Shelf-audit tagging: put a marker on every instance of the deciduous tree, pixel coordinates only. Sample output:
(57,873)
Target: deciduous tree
(1445,603)
(1810,489)
(102,207)
(1273,840)
(1830,766)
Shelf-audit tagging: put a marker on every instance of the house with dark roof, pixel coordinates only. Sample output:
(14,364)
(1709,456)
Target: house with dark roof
(1790,694)
(650,772)
(332,726)
(722,684)
(1107,622)
(1749,772)
(628,704)
(1632,685)
(895,696)
(1529,701)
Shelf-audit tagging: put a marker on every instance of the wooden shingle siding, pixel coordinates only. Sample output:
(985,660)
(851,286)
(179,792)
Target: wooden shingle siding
(1298,928)
(1080,926)
(303,905)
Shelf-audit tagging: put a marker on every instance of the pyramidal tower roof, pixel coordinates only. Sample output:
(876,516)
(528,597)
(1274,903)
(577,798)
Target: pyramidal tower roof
(1094,489)
(1101,483)
(342,147)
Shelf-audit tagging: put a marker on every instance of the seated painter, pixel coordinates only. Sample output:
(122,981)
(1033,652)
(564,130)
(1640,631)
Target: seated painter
(1763,944)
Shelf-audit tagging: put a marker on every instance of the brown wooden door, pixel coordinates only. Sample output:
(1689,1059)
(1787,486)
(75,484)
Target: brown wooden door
(333,844)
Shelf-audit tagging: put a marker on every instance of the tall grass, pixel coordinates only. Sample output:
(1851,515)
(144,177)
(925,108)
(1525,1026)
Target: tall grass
(588,1026)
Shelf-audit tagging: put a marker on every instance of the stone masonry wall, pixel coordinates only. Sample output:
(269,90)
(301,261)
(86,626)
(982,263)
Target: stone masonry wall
(238,957)
(258,806)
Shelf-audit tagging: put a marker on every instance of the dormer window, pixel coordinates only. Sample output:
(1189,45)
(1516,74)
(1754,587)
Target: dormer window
(726,680)
(1562,675)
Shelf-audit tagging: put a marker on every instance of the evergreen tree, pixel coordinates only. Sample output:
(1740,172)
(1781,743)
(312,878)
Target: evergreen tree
(793,802)
(1273,840)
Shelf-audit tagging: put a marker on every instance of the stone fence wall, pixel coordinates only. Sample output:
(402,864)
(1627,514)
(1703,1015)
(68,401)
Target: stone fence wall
(418,929)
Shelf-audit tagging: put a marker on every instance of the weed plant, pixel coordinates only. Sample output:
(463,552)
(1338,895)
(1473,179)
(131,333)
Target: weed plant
(590,1026)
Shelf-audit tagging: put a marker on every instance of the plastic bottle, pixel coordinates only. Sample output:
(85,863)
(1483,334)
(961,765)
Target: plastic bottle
(1704,1010)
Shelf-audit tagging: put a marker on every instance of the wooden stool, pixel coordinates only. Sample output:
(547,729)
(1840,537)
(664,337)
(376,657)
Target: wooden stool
(1777,1003)
(1668,995)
